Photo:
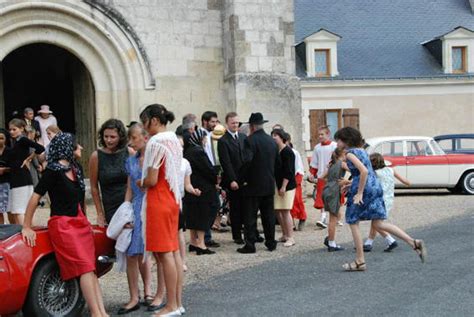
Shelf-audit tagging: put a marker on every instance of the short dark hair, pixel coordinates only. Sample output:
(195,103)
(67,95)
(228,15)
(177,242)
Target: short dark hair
(157,111)
(208,115)
(230,115)
(377,161)
(116,125)
(282,134)
(350,136)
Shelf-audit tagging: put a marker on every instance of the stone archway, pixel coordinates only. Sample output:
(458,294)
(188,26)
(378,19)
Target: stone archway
(98,37)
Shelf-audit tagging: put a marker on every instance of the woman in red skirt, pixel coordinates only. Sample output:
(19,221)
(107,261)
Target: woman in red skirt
(160,209)
(70,232)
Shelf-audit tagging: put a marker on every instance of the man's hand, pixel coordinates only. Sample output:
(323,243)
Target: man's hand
(234,185)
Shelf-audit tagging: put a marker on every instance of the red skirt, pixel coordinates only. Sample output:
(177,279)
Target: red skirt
(318,202)
(73,243)
(298,211)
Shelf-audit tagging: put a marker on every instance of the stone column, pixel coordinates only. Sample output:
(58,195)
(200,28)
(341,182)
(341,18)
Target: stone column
(259,62)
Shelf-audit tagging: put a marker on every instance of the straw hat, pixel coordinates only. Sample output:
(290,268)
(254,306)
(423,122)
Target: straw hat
(218,132)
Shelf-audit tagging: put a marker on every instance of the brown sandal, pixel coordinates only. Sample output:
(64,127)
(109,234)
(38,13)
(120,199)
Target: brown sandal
(420,248)
(354,267)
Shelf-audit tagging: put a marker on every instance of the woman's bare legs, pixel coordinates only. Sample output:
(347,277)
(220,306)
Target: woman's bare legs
(168,261)
(161,289)
(182,248)
(11,218)
(282,225)
(132,277)
(89,285)
(288,223)
(2,219)
(180,280)
(18,219)
(145,272)
(355,230)
(381,225)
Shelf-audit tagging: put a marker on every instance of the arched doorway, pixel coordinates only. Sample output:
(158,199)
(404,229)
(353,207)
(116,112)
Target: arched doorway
(38,74)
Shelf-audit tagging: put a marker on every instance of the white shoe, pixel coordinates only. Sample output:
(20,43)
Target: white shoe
(340,223)
(282,239)
(321,224)
(182,310)
(177,312)
(290,242)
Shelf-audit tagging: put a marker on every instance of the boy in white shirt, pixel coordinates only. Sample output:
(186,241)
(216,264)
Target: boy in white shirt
(318,167)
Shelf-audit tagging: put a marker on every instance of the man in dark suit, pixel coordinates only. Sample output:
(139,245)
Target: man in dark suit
(29,117)
(260,157)
(230,150)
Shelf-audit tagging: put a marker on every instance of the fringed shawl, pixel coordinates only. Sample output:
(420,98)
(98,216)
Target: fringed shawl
(163,148)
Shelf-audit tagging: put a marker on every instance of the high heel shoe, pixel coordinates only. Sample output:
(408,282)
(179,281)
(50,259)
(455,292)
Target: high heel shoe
(200,251)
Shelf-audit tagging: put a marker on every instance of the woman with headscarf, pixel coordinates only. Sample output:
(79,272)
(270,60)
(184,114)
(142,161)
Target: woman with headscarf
(197,209)
(69,230)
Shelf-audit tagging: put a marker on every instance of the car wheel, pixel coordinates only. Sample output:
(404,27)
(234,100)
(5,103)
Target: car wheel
(48,295)
(467,183)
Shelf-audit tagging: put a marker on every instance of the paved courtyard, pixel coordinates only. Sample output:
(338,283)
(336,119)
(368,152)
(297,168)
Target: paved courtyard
(295,281)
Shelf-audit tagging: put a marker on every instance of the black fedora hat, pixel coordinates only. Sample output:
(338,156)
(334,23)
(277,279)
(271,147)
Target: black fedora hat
(256,118)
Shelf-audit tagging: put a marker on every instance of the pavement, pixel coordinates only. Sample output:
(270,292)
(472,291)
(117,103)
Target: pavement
(313,283)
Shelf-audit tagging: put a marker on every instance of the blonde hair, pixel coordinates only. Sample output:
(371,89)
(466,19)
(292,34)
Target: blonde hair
(53,128)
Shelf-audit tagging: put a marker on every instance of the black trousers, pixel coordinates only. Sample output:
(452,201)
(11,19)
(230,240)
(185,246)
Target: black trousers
(252,205)
(236,213)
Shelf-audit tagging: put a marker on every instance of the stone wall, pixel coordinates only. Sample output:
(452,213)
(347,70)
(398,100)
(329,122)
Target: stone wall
(183,40)
(259,64)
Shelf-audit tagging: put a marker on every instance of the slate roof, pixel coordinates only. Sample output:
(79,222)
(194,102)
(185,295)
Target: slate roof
(381,38)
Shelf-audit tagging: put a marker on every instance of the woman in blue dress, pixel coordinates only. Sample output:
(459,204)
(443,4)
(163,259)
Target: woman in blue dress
(135,264)
(365,198)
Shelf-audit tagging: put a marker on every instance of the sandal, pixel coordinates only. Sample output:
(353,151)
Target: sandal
(420,248)
(147,300)
(354,267)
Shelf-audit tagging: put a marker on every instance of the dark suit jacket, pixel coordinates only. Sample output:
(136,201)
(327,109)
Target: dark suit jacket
(260,157)
(230,153)
(203,177)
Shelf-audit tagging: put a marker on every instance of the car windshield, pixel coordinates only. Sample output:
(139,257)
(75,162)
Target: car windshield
(436,148)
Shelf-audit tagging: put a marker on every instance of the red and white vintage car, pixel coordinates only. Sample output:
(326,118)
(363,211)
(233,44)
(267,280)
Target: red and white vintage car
(424,163)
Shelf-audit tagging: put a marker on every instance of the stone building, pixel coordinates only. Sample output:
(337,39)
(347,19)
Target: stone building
(390,67)
(91,60)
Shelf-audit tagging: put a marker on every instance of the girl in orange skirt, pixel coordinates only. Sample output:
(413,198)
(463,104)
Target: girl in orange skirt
(160,210)
(69,230)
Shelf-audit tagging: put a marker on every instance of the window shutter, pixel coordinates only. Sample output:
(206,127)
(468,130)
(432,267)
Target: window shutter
(317,118)
(350,118)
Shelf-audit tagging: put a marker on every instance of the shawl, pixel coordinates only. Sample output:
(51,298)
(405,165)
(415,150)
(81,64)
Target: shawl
(163,148)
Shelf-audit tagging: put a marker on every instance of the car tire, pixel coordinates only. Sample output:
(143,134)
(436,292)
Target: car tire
(48,295)
(467,183)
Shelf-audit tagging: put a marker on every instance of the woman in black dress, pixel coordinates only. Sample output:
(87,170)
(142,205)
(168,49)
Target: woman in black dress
(107,170)
(197,209)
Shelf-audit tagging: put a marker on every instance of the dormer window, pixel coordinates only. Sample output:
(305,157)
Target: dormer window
(454,50)
(320,53)
(322,64)
(459,59)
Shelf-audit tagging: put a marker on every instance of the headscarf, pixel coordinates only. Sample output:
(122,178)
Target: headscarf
(62,148)
(196,137)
